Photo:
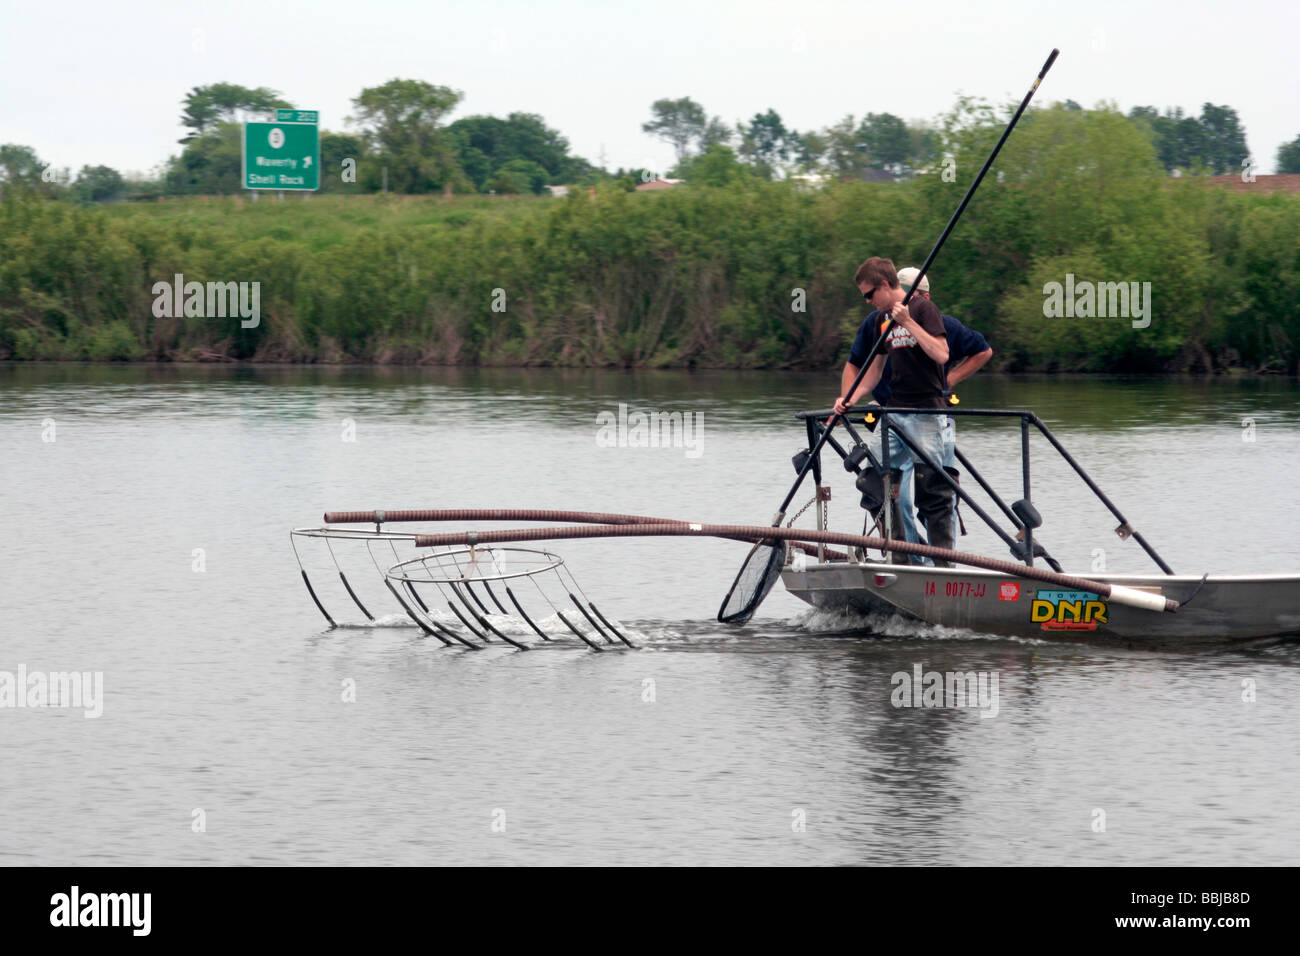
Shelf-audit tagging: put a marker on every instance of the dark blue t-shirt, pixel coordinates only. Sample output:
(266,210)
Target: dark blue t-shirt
(963,342)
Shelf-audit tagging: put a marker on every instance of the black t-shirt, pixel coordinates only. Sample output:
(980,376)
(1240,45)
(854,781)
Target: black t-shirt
(917,380)
(963,342)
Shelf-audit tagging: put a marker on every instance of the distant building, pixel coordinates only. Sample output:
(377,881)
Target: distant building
(558,191)
(660,184)
(810,180)
(1277,183)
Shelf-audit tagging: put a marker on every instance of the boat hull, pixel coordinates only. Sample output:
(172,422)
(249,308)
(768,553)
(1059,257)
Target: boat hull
(1226,609)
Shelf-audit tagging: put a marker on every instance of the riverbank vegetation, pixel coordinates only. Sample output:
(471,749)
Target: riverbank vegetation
(731,270)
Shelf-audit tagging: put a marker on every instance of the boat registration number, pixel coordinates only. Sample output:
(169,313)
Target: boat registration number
(956,589)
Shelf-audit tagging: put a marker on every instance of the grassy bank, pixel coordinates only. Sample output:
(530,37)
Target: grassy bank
(755,275)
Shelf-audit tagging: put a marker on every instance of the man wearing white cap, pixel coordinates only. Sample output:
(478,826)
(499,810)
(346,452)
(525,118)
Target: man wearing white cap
(968,351)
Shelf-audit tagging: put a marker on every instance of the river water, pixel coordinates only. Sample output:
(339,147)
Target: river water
(147,513)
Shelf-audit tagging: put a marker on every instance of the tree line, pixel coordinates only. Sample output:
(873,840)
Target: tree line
(884,146)
(402,143)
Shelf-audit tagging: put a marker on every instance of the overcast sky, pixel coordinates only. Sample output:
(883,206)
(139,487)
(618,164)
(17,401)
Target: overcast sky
(95,82)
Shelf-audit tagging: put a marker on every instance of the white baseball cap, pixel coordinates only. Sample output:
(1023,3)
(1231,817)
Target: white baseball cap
(906,277)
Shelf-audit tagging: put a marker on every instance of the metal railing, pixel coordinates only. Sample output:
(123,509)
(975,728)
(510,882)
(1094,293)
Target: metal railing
(1022,514)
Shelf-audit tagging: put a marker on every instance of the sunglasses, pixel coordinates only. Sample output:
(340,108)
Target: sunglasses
(869,293)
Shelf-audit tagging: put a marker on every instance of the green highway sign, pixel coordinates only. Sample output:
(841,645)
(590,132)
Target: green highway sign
(284,154)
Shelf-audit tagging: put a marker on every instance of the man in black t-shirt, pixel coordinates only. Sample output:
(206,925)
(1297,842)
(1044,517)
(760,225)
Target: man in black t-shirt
(968,352)
(917,348)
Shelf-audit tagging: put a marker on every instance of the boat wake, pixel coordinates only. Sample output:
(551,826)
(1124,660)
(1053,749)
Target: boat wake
(384,620)
(891,624)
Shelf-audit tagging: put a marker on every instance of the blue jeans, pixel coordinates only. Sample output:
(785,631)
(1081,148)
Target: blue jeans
(936,435)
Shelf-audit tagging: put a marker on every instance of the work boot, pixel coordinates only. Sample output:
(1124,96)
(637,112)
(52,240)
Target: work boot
(872,485)
(934,504)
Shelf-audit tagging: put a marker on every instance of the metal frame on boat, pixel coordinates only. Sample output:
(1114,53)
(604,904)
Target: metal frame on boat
(1210,609)
(448,592)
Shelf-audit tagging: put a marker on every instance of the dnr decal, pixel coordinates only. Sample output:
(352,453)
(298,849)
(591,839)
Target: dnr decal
(1068,610)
